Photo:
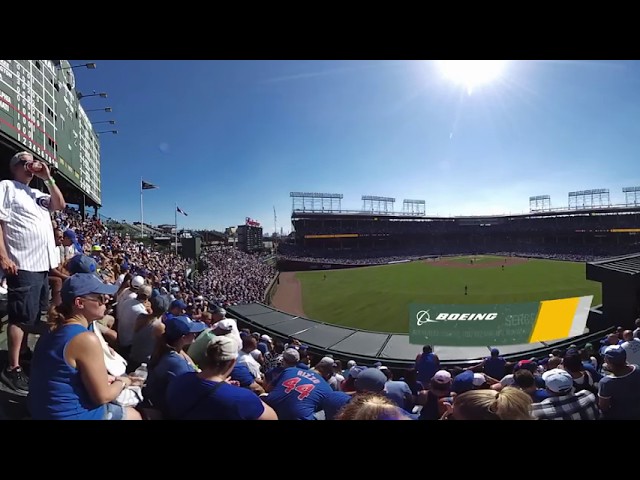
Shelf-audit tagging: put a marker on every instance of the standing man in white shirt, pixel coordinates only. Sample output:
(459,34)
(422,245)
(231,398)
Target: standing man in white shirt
(631,345)
(27,253)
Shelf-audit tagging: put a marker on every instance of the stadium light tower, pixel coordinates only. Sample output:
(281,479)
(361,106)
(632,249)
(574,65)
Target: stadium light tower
(107,109)
(110,122)
(94,94)
(89,66)
(115,132)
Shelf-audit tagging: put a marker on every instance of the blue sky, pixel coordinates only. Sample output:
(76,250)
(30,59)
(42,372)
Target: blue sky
(230,139)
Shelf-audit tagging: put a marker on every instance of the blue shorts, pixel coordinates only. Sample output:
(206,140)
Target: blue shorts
(115,412)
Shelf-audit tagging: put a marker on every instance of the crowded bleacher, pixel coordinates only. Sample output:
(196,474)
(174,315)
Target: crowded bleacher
(123,333)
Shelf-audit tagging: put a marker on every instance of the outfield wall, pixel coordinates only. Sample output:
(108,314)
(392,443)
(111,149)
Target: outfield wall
(301,266)
(304,266)
(271,290)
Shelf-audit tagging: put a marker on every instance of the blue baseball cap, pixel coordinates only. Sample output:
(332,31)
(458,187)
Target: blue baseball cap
(616,355)
(178,303)
(178,326)
(82,264)
(70,234)
(370,380)
(81,284)
(495,352)
(463,382)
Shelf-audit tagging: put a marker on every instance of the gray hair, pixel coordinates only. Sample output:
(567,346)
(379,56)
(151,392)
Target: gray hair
(17,157)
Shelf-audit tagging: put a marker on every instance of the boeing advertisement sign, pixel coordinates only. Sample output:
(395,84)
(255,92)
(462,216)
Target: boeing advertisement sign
(498,324)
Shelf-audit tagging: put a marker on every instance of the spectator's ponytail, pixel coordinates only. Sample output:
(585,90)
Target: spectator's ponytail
(57,315)
(508,404)
(512,404)
(126,283)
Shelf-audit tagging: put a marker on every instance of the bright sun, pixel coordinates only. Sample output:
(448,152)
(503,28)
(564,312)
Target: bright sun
(472,73)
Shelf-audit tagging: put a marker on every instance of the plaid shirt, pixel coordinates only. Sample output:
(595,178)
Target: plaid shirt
(575,406)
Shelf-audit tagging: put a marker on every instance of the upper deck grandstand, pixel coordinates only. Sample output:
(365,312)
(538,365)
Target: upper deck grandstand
(610,230)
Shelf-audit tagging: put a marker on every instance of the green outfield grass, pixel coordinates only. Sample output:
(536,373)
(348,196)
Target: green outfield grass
(378,298)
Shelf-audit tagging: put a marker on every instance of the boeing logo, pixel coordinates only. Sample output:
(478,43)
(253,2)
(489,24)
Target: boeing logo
(445,317)
(421,320)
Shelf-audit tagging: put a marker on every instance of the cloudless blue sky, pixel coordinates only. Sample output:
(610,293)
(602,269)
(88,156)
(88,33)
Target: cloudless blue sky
(230,139)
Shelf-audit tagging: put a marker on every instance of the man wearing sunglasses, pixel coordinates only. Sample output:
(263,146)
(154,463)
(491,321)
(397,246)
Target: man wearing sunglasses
(27,253)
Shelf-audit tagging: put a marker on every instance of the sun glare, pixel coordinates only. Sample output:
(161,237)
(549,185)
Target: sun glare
(472,73)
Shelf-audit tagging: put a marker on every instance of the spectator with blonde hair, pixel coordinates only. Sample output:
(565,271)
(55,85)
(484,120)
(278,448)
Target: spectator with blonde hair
(508,404)
(371,406)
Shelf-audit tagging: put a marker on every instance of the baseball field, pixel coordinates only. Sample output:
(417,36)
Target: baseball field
(378,298)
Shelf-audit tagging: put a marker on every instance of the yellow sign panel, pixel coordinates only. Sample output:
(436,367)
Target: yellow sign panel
(340,235)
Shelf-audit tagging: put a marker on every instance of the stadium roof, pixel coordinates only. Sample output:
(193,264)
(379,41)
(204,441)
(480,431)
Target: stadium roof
(394,349)
(628,265)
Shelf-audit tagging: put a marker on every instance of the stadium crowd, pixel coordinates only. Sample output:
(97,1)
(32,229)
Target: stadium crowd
(232,277)
(128,338)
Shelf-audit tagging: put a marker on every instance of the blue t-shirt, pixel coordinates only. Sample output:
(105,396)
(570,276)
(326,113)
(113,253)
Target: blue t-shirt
(272,374)
(56,390)
(399,393)
(624,394)
(242,374)
(427,367)
(169,367)
(494,367)
(191,398)
(539,395)
(298,394)
(333,403)
(594,373)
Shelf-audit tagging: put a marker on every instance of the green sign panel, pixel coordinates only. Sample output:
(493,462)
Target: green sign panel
(472,325)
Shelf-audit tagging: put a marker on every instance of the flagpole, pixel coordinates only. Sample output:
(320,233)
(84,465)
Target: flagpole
(175,212)
(141,211)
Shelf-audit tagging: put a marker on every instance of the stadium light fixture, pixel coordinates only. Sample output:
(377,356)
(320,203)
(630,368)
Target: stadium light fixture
(115,132)
(110,122)
(107,109)
(94,94)
(89,66)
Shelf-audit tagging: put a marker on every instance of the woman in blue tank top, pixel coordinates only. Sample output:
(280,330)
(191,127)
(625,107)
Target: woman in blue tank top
(69,379)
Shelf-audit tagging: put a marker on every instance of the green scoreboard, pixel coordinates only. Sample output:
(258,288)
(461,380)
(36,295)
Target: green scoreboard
(39,109)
